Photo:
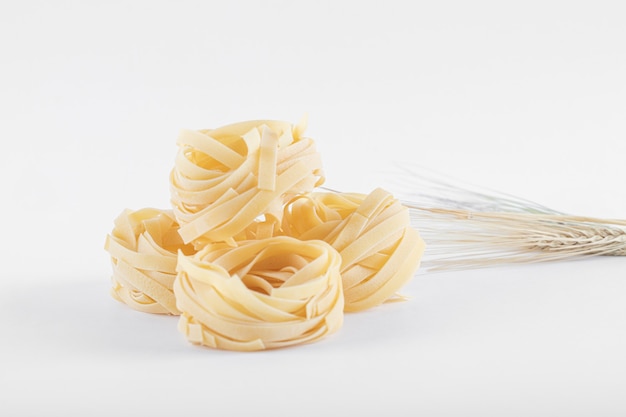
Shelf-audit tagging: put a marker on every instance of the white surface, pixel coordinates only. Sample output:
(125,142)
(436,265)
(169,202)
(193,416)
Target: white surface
(525,98)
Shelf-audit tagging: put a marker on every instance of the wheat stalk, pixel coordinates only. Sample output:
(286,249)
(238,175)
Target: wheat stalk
(467,227)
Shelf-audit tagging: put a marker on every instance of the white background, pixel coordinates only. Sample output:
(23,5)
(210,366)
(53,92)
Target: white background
(525,97)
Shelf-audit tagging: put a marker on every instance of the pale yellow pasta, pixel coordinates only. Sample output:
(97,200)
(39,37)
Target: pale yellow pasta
(249,256)
(380,251)
(262,294)
(227,178)
(143,246)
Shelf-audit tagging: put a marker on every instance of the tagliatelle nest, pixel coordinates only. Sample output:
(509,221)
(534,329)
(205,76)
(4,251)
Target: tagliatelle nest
(225,178)
(261,294)
(380,251)
(144,247)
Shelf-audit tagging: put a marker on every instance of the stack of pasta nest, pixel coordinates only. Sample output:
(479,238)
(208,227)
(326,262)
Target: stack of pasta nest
(253,254)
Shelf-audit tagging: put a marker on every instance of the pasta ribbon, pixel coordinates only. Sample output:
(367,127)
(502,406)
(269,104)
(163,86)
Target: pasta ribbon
(380,251)
(143,247)
(225,179)
(262,294)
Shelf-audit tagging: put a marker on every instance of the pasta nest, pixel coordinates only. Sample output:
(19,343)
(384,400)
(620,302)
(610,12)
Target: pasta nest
(143,247)
(259,295)
(380,251)
(228,178)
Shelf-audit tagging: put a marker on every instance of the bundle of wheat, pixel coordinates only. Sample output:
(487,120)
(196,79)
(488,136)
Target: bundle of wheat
(468,227)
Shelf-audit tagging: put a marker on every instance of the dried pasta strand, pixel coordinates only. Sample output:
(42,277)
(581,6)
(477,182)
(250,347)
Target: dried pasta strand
(230,297)
(268,159)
